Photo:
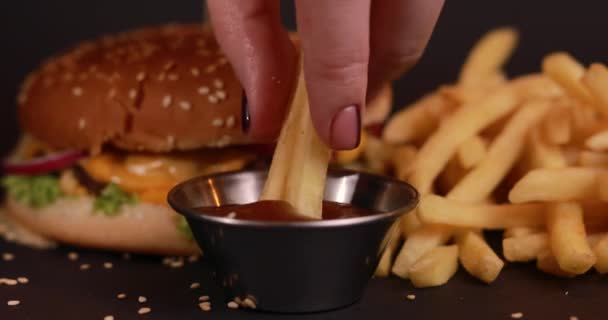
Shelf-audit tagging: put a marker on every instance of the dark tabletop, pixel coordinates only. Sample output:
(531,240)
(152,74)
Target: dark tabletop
(58,289)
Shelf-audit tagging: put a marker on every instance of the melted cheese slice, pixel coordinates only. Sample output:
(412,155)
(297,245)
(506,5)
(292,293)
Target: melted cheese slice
(151,176)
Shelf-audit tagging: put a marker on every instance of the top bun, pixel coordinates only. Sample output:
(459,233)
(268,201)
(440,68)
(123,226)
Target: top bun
(155,89)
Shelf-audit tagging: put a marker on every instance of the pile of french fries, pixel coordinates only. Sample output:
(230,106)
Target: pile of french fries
(527,155)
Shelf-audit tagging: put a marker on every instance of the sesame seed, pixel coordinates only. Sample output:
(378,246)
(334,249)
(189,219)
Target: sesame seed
(23,280)
(231,215)
(68,77)
(142,299)
(185,105)
(217,122)
(121,295)
(517,315)
(108,265)
(205,306)
(411,296)
(195,71)
(169,65)
(141,76)
(13,303)
(161,76)
(573,318)
(220,94)
(144,310)
(170,140)
(8,256)
(210,68)
(8,282)
(203,298)
(108,318)
(167,101)
(85,266)
(82,123)
(213,99)
(132,94)
(112,93)
(73,256)
(195,285)
(249,303)
(230,121)
(77,91)
(233,305)
(173,77)
(218,83)
(177,263)
(203,90)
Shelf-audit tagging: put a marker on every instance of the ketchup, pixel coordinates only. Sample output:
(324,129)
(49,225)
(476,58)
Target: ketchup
(281,211)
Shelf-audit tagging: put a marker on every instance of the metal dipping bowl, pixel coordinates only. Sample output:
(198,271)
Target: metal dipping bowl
(293,267)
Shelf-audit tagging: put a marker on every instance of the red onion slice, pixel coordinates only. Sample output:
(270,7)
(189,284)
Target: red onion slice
(41,165)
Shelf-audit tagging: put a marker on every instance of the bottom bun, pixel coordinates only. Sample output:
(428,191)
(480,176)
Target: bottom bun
(142,228)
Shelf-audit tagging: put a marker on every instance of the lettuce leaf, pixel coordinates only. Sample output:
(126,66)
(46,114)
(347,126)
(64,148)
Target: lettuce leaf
(112,198)
(184,228)
(34,191)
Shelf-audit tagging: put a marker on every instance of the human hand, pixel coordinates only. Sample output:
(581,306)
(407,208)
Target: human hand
(351,47)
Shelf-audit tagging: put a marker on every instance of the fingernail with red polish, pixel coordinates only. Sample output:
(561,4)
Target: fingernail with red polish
(345,131)
(245,117)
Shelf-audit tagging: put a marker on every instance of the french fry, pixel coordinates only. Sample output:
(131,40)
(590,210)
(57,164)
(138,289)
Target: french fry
(557,128)
(502,154)
(436,267)
(601,252)
(478,258)
(488,56)
(547,263)
(592,159)
(379,107)
(417,121)
(517,232)
(401,158)
(439,210)
(472,151)
(525,248)
(566,184)
(543,155)
(596,81)
(450,176)
(462,94)
(602,185)
(416,245)
(377,154)
(409,224)
(348,156)
(463,124)
(567,237)
(567,72)
(598,141)
(386,260)
(299,165)
(536,86)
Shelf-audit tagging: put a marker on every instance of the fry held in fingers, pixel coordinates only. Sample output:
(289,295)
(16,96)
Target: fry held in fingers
(299,165)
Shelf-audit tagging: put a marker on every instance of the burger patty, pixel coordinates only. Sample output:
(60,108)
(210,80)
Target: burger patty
(84,179)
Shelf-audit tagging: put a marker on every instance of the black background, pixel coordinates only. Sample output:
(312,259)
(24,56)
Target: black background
(31,30)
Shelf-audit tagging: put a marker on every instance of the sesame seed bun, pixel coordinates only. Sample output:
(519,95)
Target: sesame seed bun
(143,228)
(157,89)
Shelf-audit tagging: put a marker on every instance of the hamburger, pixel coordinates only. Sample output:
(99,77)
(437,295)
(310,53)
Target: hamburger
(111,125)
